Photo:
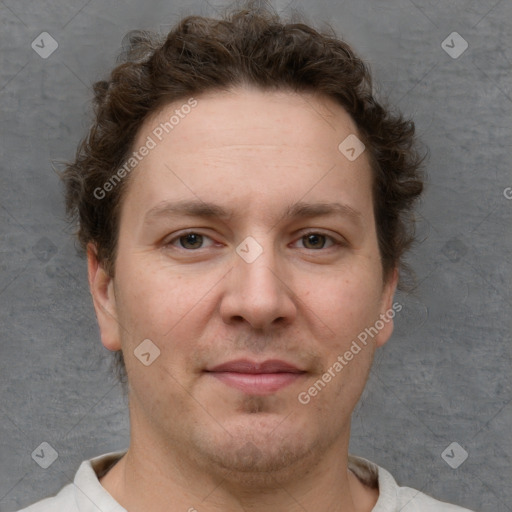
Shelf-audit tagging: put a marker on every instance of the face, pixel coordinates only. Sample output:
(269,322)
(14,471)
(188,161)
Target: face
(248,256)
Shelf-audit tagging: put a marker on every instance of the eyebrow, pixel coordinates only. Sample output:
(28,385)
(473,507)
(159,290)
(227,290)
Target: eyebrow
(198,208)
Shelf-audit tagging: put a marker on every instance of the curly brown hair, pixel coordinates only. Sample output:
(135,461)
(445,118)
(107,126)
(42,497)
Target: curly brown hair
(247,46)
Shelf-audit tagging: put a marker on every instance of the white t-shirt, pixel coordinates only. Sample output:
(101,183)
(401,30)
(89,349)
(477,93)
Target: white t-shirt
(86,494)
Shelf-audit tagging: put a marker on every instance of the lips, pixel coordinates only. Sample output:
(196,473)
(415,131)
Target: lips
(256,378)
(246,366)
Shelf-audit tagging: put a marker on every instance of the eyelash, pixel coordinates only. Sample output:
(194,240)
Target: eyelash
(334,241)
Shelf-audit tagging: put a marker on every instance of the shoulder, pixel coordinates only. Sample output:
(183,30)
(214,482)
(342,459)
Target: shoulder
(392,497)
(64,500)
(411,500)
(85,493)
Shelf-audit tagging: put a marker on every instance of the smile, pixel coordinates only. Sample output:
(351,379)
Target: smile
(255,378)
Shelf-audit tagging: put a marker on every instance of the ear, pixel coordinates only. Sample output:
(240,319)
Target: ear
(101,286)
(388,310)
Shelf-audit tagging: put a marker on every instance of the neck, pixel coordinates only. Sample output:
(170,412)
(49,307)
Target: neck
(152,478)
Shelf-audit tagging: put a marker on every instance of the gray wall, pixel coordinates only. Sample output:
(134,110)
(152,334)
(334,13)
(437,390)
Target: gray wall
(445,375)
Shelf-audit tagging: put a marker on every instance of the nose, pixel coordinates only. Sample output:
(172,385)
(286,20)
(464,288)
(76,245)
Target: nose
(259,293)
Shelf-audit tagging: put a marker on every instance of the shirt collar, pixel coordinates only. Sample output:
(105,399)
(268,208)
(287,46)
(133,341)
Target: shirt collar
(91,496)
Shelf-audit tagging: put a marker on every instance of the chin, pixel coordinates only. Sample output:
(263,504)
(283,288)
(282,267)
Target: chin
(259,449)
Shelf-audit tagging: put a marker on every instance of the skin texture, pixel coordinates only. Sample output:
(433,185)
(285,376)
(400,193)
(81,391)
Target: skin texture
(195,442)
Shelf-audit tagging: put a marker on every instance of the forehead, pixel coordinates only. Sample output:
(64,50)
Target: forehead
(252,116)
(245,146)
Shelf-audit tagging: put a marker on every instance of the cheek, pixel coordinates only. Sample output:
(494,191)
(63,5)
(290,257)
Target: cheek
(158,309)
(346,304)
(153,297)
(170,309)
(341,311)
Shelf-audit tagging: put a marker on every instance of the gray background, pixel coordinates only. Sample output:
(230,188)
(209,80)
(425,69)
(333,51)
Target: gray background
(445,375)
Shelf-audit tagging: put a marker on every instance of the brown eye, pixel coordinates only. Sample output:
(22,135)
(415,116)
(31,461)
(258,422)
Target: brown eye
(315,240)
(191,241)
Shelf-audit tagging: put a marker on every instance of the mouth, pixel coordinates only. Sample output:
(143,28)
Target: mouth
(257,378)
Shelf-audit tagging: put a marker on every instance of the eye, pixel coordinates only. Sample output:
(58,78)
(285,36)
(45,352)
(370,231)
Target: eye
(317,240)
(189,241)
(192,240)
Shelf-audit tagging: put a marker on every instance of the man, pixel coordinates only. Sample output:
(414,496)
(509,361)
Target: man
(243,200)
